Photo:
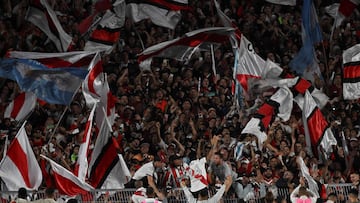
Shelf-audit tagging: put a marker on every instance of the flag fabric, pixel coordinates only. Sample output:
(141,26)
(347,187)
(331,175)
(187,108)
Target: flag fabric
(94,81)
(53,85)
(66,182)
(306,60)
(107,170)
(41,14)
(107,32)
(347,7)
(56,60)
(198,175)
(20,168)
(21,106)
(162,13)
(250,65)
(106,105)
(317,126)
(238,150)
(183,47)
(81,166)
(283,2)
(306,174)
(351,73)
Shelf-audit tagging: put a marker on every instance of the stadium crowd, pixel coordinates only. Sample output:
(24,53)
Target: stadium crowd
(165,118)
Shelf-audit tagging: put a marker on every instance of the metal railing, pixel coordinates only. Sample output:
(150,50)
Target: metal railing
(174,196)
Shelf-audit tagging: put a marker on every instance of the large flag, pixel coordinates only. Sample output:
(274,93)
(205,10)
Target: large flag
(81,166)
(66,182)
(107,170)
(198,174)
(305,62)
(53,85)
(347,7)
(317,127)
(250,65)
(183,47)
(107,32)
(41,14)
(283,2)
(351,73)
(94,81)
(279,105)
(56,60)
(20,168)
(162,13)
(21,106)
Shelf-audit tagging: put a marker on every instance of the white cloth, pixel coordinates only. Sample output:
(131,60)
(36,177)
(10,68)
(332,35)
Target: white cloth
(147,169)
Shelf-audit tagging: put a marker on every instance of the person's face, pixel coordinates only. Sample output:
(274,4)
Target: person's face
(354,178)
(217,159)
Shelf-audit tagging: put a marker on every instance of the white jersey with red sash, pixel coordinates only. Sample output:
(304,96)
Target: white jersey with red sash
(174,175)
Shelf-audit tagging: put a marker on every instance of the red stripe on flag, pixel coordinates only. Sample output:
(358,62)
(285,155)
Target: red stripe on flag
(105,36)
(317,126)
(61,63)
(67,186)
(94,73)
(347,7)
(352,71)
(302,85)
(268,112)
(169,5)
(243,78)
(19,158)
(18,104)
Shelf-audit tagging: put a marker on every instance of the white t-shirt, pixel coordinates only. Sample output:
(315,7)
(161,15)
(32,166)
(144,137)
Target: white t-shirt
(139,195)
(214,199)
(145,170)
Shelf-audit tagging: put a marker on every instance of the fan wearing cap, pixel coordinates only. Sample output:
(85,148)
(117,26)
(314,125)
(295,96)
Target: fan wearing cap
(302,194)
(147,173)
(203,196)
(175,172)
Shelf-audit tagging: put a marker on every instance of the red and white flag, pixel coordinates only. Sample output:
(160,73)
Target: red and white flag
(351,73)
(66,182)
(94,82)
(105,108)
(107,32)
(283,2)
(20,168)
(81,166)
(183,47)
(347,7)
(198,175)
(21,106)
(162,13)
(107,170)
(43,16)
(317,127)
(250,64)
(56,60)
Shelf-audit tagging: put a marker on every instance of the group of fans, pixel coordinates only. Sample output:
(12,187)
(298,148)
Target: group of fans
(178,112)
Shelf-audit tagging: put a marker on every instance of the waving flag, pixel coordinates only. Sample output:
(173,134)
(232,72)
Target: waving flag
(162,13)
(56,60)
(351,73)
(20,168)
(198,175)
(41,14)
(347,7)
(81,166)
(21,106)
(94,82)
(283,2)
(304,63)
(66,182)
(107,32)
(107,170)
(56,85)
(106,106)
(182,48)
(306,174)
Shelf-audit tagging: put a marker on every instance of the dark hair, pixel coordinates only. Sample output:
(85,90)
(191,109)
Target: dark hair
(22,193)
(150,191)
(72,201)
(204,192)
(49,191)
(219,154)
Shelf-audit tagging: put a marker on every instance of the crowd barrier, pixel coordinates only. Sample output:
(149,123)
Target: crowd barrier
(174,196)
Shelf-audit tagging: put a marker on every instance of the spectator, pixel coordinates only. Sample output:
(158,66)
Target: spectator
(353,196)
(140,193)
(49,196)
(22,196)
(150,196)
(302,194)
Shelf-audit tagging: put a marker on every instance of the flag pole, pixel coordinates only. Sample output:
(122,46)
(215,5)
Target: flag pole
(58,123)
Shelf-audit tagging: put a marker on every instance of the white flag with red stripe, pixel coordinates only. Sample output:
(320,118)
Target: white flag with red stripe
(106,106)
(183,47)
(198,174)
(351,73)
(94,82)
(20,168)
(21,106)
(43,16)
(56,60)
(66,182)
(82,163)
(162,13)
(250,64)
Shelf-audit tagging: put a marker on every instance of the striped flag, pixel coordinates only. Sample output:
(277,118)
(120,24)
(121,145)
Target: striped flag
(351,73)
(20,168)
(160,12)
(66,182)
(82,164)
(21,106)
(41,14)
